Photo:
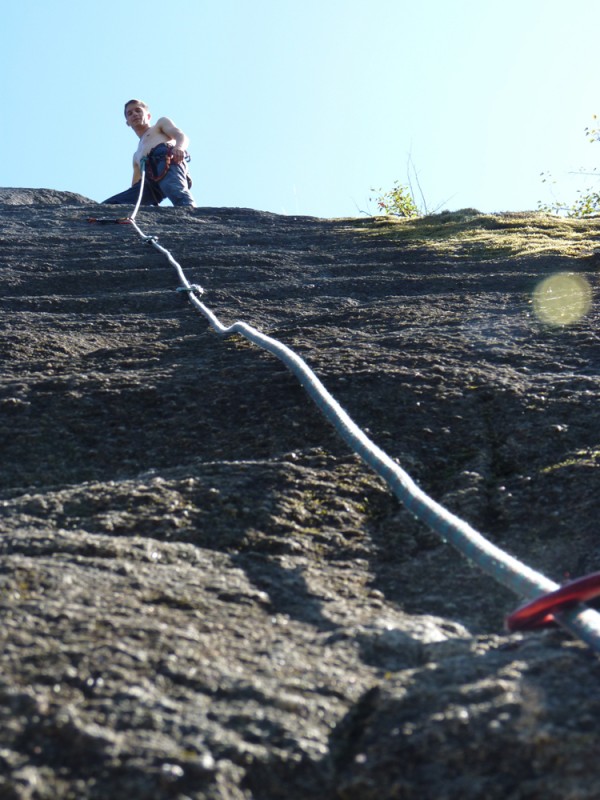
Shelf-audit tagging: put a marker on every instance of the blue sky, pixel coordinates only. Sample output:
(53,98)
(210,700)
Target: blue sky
(304,106)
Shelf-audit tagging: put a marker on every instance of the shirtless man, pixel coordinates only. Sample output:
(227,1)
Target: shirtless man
(163,145)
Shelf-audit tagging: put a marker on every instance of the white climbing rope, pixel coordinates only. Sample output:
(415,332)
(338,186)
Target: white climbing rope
(581,621)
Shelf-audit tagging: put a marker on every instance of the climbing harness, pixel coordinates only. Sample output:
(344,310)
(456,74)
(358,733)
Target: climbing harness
(150,165)
(150,162)
(566,604)
(151,159)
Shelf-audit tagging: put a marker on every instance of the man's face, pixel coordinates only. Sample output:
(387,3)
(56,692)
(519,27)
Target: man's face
(136,115)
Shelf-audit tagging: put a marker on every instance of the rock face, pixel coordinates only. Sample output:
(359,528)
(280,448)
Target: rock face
(204,594)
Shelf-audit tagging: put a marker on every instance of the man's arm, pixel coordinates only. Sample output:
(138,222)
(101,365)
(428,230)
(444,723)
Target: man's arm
(168,127)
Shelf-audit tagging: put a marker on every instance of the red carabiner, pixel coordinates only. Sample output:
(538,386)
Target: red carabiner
(540,612)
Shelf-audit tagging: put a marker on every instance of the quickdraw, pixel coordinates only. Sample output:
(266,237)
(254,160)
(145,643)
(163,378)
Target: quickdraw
(109,221)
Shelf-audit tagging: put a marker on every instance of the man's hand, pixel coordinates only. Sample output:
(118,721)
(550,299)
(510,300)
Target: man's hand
(177,155)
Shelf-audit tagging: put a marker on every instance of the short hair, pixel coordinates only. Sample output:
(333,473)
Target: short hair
(138,102)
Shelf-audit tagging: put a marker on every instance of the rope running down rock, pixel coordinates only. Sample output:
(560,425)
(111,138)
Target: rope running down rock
(581,621)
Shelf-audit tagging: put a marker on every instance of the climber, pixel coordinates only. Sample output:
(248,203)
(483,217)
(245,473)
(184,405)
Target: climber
(163,148)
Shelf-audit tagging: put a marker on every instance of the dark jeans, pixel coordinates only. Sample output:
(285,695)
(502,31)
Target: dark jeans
(174,186)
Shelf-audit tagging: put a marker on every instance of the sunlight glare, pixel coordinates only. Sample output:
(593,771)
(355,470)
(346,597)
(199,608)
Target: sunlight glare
(562,299)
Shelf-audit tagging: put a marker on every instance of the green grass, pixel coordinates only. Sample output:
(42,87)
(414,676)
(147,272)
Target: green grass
(489,236)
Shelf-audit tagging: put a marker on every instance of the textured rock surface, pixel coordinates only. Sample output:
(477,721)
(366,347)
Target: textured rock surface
(203,593)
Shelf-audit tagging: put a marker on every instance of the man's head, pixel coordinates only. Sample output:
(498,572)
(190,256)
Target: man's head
(134,110)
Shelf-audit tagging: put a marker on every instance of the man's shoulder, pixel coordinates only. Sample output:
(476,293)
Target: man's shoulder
(163,122)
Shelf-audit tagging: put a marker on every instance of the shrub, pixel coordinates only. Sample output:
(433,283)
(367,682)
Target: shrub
(397,202)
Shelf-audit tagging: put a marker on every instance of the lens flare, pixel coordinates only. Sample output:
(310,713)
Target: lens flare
(562,299)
